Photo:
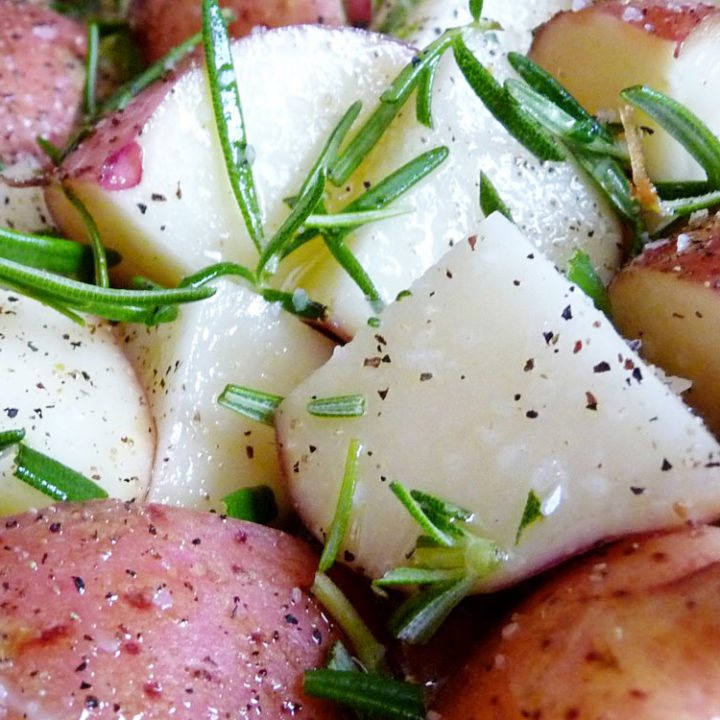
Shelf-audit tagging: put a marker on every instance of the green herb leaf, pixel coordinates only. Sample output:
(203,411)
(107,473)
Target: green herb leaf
(391,102)
(531,514)
(417,576)
(682,124)
(49,253)
(309,197)
(506,110)
(369,651)
(344,507)
(352,220)
(376,694)
(122,97)
(476,8)
(423,102)
(253,404)
(582,273)
(100,263)
(490,200)
(143,306)
(53,478)
(683,189)
(545,84)
(91,68)
(416,511)
(11,437)
(296,302)
(229,119)
(346,406)
(255,504)
(419,617)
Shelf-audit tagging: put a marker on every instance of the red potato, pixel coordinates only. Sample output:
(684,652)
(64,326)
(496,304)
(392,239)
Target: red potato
(630,632)
(112,610)
(671,46)
(668,298)
(159,25)
(42,74)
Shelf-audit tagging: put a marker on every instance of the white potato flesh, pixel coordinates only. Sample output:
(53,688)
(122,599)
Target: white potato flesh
(76,395)
(289,116)
(497,377)
(206,451)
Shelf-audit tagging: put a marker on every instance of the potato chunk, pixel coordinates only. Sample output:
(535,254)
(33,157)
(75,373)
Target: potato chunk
(155,612)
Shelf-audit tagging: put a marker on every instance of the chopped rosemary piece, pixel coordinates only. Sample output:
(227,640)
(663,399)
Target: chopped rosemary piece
(682,124)
(506,110)
(376,694)
(212,272)
(53,478)
(490,200)
(11,437)
(684,206)
(447,562)
(369,651)
(254,504)
(252,404)
(46,252)
(339,406)
(102,279)
(229,119)
(344,507)
(91,68)
(531,514)
(581,272)
(677,190)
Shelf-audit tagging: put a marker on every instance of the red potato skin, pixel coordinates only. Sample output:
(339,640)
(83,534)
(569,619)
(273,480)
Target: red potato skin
(160,25)
(42,74)
(670,20)
(630,632)
(112,610)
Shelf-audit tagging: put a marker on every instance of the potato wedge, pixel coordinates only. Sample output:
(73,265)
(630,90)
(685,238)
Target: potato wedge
(629,633)
(496,378)
(205,451)
(77,397)
(155,612)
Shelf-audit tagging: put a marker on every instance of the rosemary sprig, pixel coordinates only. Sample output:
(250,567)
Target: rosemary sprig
(682,124)
(490,200)
(11,437)
(447,562)
(514,118)
(345,406)
(310,195)
(113,304)
(229,118)
(46,252)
